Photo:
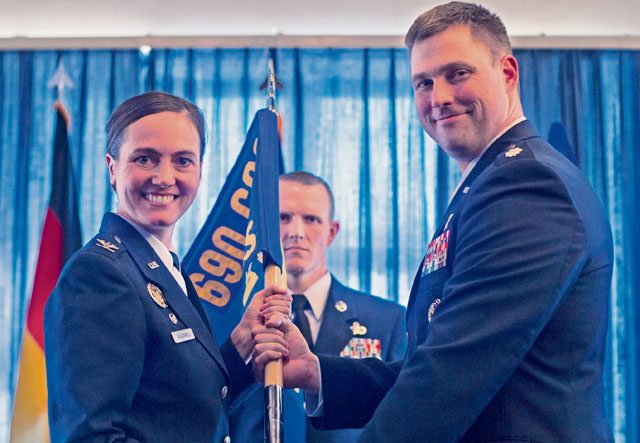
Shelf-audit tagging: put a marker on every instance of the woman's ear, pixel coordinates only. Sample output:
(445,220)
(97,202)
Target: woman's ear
(111,166)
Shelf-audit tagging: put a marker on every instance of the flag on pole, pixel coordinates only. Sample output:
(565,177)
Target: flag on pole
(241,235)
(60,239)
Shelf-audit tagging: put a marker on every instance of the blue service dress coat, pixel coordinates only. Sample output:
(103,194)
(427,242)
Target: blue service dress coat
(507,316)
(345,315)
(129,356)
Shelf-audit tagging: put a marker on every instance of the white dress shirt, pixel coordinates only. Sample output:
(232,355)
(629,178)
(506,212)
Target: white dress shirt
(163,253)
(317,294)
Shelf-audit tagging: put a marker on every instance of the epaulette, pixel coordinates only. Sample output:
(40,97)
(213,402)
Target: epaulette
(514,152)
(106,243)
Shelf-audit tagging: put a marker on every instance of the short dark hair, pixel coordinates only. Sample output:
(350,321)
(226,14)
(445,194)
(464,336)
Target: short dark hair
(486,27)
(309,179)
(134,108)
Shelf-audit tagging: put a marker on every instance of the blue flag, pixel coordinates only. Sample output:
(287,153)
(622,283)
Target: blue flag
(241,236)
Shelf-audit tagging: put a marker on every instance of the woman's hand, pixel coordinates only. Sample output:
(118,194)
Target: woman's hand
(265,303)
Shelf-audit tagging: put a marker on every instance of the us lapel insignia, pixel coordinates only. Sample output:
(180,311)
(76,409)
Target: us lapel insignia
(153,264)
(513,151)
(432,308)
(107,245)
(156,295)
(173,318)
(362,348)
(466,189)
(341,306)
(358,329)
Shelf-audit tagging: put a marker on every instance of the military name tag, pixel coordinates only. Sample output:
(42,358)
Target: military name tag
(362,348)
(436,257)
(183,335)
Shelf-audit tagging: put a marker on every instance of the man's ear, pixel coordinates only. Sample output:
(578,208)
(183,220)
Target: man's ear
(510,71)
(333,231)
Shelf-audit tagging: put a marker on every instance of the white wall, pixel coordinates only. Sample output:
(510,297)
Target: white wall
(108,18)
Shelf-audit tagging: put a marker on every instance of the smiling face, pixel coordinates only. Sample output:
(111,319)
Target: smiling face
(306,230)
(157,174)
(465,96)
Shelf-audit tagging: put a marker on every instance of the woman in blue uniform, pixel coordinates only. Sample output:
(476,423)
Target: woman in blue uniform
(130,355)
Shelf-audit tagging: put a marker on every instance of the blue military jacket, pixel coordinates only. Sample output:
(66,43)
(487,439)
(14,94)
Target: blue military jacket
(129,356)
(507,316)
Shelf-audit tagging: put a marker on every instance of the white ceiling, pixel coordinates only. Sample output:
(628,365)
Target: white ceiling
(131,18)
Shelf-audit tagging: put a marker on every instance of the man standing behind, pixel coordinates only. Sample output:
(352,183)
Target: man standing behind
(334,319)
(507,317)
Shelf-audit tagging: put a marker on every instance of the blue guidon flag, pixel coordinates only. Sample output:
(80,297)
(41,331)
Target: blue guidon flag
(241,235)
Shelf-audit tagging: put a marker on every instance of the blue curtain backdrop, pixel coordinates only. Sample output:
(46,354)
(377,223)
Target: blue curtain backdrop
(348,116)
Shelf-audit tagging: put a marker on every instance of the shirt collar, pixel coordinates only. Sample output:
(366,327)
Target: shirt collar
(473,162)
(159,248)
(317,294)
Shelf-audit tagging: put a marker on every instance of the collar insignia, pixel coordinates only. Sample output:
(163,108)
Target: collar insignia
(153,264)
(107,245)
(515,150)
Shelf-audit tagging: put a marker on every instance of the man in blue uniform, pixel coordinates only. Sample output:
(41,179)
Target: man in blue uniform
(507,316)
(336,320)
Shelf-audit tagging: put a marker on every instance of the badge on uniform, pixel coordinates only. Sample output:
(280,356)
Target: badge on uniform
(156,295)
(432,308)
(341,306)
(357,328)
(183,335)
(436,257)
(362,348)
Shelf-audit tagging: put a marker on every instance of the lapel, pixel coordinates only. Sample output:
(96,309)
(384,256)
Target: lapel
(188,310)
(522,131)
(519,132)
(334,331)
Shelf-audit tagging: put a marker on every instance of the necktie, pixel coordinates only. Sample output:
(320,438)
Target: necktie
(298,421)
(176,261)
(301,304)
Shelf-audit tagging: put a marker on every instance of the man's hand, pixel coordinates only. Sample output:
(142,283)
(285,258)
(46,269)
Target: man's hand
(280,338)
(264,304)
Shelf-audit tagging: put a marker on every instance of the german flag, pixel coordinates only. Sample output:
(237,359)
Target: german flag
(60,239)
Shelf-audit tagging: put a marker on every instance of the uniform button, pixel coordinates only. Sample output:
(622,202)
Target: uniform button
(227,439)
(223,394)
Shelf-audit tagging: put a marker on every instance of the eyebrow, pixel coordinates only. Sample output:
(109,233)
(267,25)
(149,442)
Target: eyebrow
(143,150)
(443,69)
(149,150)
